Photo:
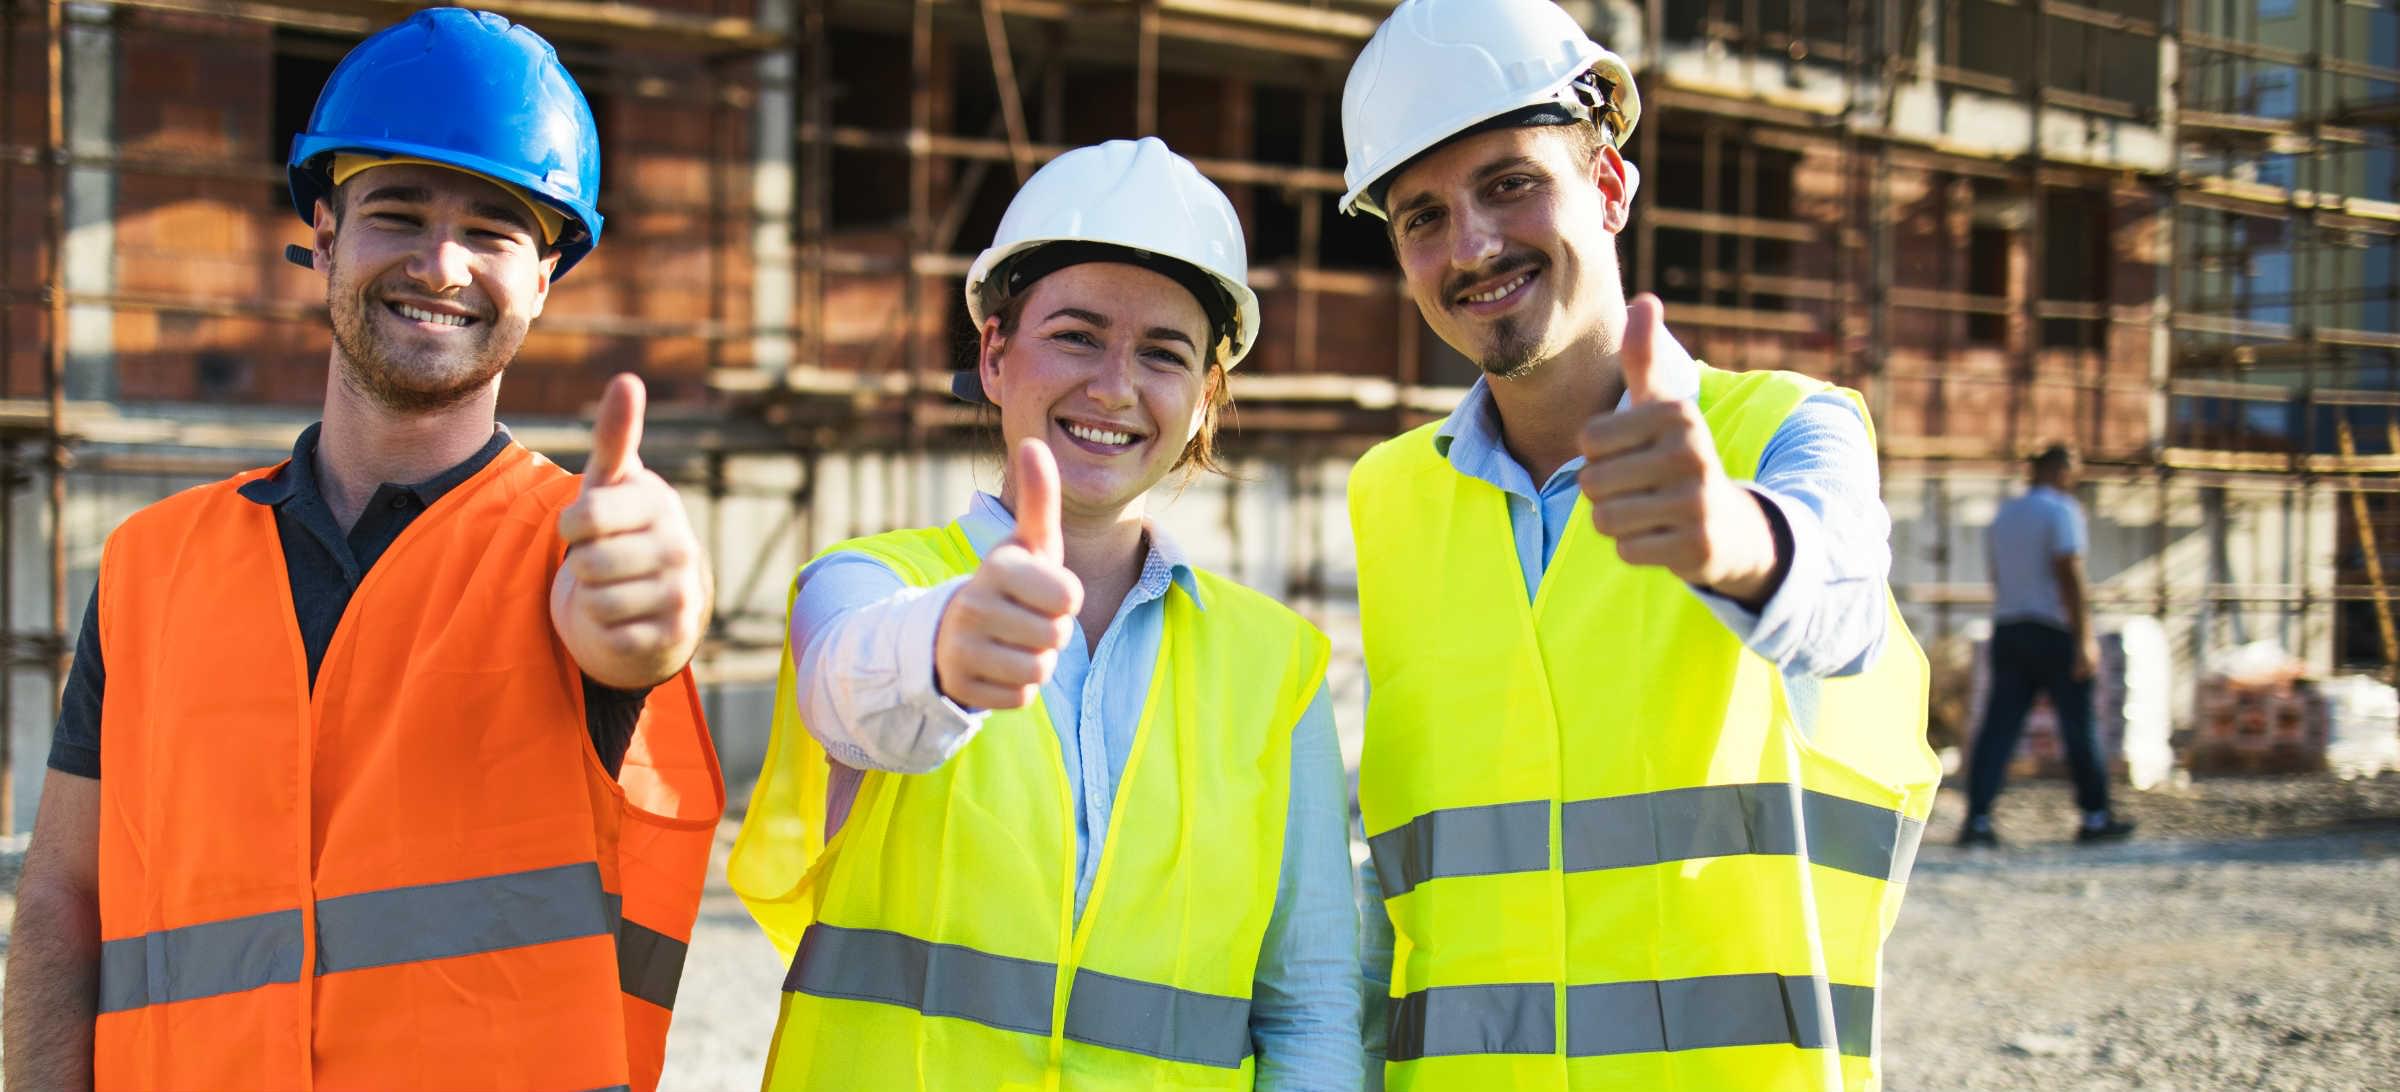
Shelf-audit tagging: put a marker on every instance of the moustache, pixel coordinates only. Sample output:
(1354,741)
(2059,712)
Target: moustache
(1500,267)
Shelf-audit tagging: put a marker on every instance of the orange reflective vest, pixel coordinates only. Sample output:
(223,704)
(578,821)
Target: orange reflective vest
(419,875)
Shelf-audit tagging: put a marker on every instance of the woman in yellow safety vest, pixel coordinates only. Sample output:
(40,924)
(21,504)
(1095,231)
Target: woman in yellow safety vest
(1047,806)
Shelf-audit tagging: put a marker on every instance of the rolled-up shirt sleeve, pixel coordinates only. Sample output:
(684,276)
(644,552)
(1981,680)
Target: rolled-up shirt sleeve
(862,644)
(1818,479)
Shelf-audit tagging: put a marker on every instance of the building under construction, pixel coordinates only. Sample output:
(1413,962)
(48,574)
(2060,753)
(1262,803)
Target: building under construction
(2162,231)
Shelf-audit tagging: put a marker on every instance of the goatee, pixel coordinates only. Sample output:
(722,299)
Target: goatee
(1513,353)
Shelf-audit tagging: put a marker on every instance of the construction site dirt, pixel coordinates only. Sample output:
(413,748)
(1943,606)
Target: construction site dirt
(2243,940)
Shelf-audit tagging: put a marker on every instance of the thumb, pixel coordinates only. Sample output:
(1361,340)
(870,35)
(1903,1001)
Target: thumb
(1645,319)
(1035,474)
(617,435)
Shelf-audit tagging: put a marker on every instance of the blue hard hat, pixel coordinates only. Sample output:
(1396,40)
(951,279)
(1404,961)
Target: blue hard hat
(471,90)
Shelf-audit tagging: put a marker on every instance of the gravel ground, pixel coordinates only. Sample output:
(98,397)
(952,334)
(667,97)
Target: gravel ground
(2244,940)
(732,981)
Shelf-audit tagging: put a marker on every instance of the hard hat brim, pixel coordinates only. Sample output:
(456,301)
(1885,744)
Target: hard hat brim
(311,179)
(1245,300)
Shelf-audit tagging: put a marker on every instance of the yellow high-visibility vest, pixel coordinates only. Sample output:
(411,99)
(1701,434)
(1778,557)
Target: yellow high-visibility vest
(1610,859)
(938,945)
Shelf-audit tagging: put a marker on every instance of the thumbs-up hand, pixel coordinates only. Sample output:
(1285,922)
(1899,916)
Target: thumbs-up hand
(1000,636)
(1656,486)
(631,599)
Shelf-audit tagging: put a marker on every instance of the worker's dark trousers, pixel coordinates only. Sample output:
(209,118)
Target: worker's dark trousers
(2030,658)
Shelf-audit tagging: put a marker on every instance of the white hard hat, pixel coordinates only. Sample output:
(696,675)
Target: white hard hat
(1132,201)
(1439,68)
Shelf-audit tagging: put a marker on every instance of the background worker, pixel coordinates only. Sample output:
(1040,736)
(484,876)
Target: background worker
(1085,805)
(2042,643)
(381,767)
(1644,759)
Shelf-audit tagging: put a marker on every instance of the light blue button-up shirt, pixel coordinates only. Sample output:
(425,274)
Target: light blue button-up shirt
(1818,477)
(1305,1001)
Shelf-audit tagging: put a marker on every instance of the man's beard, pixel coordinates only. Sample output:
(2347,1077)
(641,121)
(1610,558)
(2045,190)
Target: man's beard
(1513,353)
(372,367)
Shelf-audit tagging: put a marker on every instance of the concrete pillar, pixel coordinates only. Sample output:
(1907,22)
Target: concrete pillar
(773,276)
(91,250)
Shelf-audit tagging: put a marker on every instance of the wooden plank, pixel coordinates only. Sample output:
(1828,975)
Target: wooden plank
(1351,26)
(2365,522)
(1736,318)
(1719,223)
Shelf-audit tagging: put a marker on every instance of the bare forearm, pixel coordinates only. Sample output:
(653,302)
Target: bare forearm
(53,989)
(2072,595)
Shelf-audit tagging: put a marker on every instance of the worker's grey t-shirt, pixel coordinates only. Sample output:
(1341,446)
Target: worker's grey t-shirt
(2031,532)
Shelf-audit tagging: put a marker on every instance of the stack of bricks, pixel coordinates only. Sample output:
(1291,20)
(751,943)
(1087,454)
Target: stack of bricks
(2041,753)
(2276,725)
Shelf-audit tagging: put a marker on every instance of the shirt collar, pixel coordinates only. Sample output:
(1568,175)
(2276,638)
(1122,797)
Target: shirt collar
(988,523)
(1475,423)
(1475,418)
(297,477)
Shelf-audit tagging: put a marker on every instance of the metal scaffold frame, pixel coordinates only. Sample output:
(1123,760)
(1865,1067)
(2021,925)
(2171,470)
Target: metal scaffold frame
(1801,211)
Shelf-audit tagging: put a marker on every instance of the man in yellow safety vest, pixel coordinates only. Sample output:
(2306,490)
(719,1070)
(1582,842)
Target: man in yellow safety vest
(1645,767)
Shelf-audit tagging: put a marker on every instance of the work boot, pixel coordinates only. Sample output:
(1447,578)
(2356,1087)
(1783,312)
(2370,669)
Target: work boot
(1978,834)
(2108,829)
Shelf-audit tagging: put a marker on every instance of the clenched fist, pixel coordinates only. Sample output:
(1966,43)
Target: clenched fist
(1656,487)
(1000,636)
(631,600)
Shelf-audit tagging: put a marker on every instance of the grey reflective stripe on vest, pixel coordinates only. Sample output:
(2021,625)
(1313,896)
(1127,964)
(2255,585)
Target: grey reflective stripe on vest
(1725,820)
(383,928)
(1854,1019)
(1447,1020)
(934,979)
(462,917)
(1014,995)
(204,960)
(1160,1021)
(1632,1017)
(1861,838)
(1479,841)
(1693,1014)
(649,963)
(1646,829)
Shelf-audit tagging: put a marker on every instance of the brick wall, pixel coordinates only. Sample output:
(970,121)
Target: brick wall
(675,192)
(1995,385)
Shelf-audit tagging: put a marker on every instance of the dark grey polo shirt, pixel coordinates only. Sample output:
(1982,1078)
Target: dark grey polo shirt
(326,567)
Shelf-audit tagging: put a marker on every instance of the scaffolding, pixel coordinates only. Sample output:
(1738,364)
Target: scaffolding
(2162,230)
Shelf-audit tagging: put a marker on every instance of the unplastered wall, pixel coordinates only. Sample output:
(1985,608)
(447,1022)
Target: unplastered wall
(2234,554)
(187,235)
